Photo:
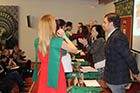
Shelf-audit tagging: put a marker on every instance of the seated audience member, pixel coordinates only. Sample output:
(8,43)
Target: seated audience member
(3,47)
(7,53)
(15,49)
(0,54)
(11,61)
(14,65)
(14,55)
(22,59)
(5,84)
(97,47)
(11,75)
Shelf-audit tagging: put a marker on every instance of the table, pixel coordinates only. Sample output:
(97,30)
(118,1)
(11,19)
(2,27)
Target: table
(100,81)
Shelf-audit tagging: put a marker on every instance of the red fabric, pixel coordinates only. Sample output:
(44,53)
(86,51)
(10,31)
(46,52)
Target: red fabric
(126,23)
(79,35)
(43,87)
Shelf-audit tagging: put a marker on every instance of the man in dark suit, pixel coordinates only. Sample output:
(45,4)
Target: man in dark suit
(118,56)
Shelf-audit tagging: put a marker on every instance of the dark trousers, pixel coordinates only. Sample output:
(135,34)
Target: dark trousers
(5,85)
(15,76)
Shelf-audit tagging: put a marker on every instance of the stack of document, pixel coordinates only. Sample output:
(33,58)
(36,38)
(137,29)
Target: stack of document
(90,83)
(88,69)
(80,60)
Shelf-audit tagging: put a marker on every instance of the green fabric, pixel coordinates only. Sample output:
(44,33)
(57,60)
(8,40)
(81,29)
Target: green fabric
(77,89)
(67,34)
(54,61)
(89,75)
(82,63)
(77,56)
(34,77)
(64,52)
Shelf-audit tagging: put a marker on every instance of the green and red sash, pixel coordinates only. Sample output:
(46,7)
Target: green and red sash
(54,61)
(34,77)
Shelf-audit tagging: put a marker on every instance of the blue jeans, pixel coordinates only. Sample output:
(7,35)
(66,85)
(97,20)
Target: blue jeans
(117,88)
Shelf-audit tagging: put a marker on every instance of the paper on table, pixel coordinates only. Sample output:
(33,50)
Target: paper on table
(93,83)
(81,60)
(88,69)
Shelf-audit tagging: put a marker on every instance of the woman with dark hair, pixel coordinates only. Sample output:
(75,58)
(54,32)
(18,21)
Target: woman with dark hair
(96,49)
(60,23)
(99,29)
(83,33)
(66,58)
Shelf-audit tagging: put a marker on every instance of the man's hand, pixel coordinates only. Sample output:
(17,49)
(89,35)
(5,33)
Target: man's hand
(136,77)
(83,41)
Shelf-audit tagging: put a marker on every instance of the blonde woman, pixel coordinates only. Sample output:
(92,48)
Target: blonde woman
(50,47)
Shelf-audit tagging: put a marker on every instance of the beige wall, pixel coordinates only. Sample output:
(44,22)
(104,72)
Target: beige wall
(110,7)
(73,10)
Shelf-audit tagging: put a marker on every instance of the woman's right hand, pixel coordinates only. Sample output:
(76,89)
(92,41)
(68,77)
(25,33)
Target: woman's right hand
(61,33)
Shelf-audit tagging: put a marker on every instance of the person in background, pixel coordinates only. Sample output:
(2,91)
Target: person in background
(23,60)
(68,30)
(10,74)
(83,33)
(5,84)
(66,58)
(7,53)
(3,48)
(96,49)
(118,56)
(50,46)
(91,23)
(79,25)
(0,54)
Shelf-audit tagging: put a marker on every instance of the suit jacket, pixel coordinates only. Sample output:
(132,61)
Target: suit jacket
(118,59)
(97,50)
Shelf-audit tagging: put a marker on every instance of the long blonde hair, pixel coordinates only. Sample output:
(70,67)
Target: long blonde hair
(47,28)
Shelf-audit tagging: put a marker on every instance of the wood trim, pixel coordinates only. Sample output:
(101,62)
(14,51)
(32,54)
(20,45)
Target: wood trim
(104,1)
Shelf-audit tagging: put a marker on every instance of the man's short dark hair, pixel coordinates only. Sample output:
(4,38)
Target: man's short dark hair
(113,17)
(80,23)
(69,24)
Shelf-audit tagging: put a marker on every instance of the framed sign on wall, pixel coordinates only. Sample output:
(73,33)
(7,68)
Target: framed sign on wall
(124,8)
(9,26)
